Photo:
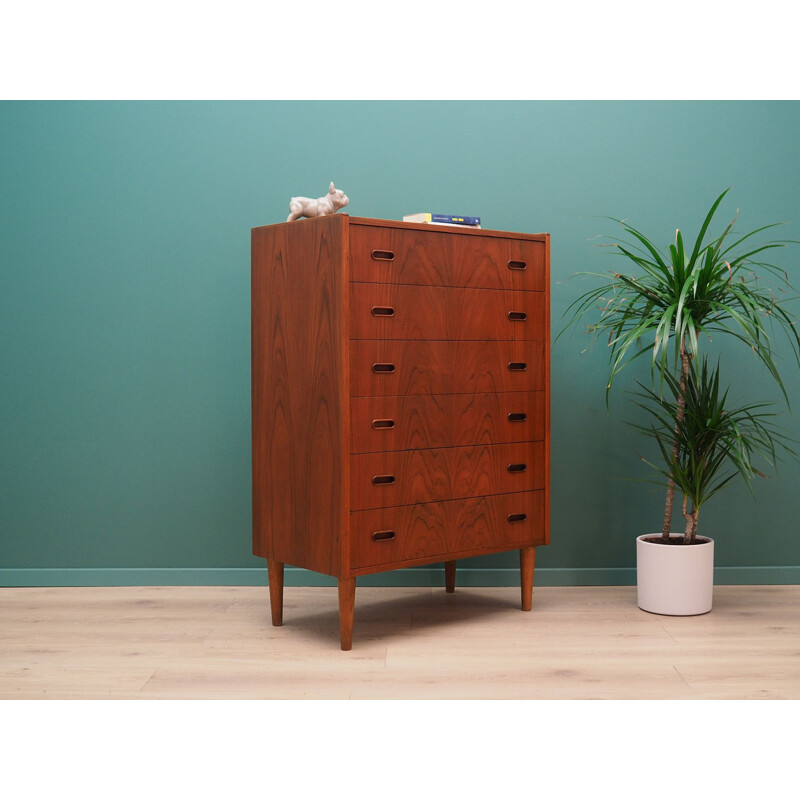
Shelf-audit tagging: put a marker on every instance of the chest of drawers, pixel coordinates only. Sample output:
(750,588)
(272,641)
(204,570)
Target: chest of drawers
(400,399)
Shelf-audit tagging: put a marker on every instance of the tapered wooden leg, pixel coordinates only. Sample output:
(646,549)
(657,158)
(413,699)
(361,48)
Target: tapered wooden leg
(275,572)
(527,556)
(449,576)
(347,602)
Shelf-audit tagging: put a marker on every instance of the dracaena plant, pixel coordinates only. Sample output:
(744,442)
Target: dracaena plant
(710,442)
(677,298)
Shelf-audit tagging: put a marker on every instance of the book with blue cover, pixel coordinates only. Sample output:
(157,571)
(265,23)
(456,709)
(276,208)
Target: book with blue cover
(444,219)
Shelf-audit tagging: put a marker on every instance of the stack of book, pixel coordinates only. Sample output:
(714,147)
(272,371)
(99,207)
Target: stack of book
(444,219)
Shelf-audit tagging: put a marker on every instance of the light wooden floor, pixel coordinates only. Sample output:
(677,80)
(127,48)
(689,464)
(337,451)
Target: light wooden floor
(417,643)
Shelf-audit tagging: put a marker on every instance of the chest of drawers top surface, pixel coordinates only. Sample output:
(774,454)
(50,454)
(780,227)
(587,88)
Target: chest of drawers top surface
(400,392)
(391,224)
(433,255)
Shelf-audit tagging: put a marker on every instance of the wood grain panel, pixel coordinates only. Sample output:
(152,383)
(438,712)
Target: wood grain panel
(299,400)
(426,532)
(403,477)
(445,420)
(400,311)
(547,356)
(488,262)
(443,367)
(433,256)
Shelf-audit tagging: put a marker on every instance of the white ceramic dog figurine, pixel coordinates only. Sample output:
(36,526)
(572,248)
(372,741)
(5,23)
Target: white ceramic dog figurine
(322,206)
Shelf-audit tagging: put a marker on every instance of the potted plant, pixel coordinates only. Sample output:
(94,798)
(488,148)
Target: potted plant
(704,442)
(667,307)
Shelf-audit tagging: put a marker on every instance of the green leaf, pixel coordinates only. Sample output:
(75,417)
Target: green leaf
(660,305)
(715,440)
(705,225)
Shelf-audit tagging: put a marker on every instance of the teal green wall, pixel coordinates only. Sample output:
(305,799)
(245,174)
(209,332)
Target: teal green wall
(124,310)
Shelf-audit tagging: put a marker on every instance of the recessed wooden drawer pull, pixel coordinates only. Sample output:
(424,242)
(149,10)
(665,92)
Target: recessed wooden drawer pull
(383,368)
(517,467)
(382,311)
(517,265)
(517,366)
(382,255)
(517,316)
(382,536)
(382,480)
(520,416)
(382,424)
(517,517)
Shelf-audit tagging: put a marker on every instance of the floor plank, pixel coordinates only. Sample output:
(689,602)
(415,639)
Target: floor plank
(409,643)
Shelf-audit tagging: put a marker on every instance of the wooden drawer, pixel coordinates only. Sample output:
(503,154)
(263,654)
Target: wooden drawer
(443,367)
(404,477)
(453,529)
(444,420)
(399,311)
(434,257)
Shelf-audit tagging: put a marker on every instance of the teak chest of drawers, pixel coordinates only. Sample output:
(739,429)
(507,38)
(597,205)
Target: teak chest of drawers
(400,399)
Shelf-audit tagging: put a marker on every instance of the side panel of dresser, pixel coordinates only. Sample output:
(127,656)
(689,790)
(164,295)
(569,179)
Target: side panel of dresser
(546,399)
(300,392)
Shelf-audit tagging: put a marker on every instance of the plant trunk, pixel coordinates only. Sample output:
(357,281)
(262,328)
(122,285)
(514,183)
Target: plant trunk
(691,522)
(667,526)
(691,526)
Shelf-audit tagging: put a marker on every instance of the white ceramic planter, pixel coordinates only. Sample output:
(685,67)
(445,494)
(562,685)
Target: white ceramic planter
(675,580)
